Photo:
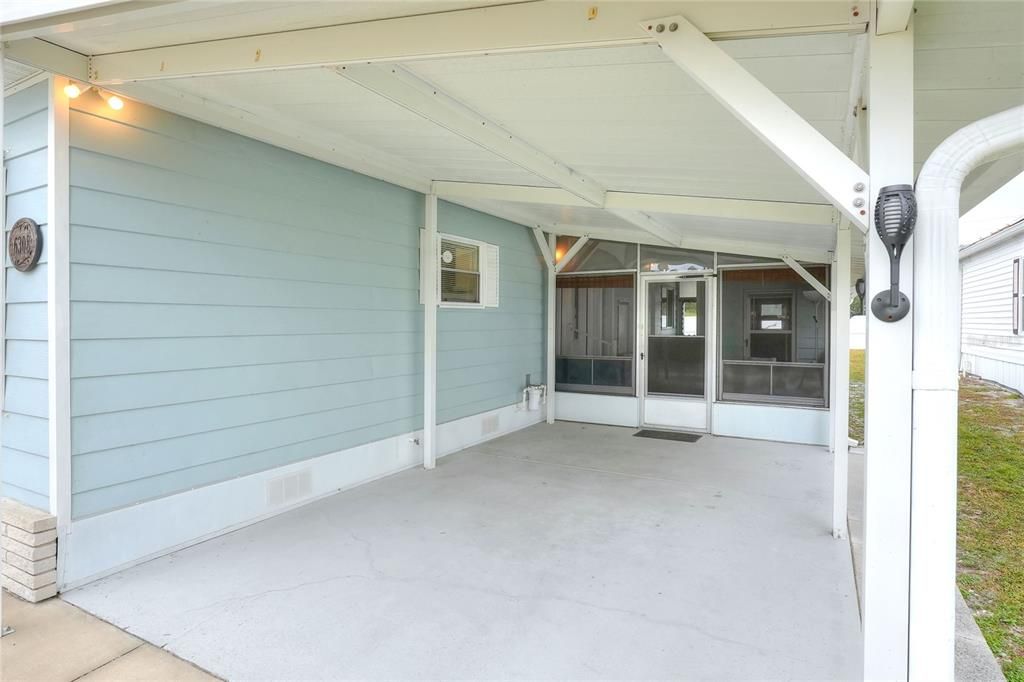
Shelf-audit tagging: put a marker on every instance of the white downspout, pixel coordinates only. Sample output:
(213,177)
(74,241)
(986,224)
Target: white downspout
(936,361)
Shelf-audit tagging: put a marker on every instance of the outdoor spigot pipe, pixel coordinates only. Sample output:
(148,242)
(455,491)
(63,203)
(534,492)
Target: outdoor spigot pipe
(936,361)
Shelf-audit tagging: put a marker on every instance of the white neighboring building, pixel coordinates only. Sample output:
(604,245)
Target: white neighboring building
(992,335)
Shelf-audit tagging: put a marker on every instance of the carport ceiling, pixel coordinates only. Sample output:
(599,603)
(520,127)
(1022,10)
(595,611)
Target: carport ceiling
(623,115)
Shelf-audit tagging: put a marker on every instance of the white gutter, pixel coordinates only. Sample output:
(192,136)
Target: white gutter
(936,360)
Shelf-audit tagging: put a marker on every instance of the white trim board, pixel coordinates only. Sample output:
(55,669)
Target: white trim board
(101,545)
(784,424)
(591,408)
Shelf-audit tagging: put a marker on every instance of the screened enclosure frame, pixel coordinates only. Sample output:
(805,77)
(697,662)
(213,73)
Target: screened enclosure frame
(735,397)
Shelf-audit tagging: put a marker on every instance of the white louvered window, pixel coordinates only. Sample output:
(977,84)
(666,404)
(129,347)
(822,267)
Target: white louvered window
(467,273)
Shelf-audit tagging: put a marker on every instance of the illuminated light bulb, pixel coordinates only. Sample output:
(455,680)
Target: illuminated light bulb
(72,90)
(115,103)
(558,255)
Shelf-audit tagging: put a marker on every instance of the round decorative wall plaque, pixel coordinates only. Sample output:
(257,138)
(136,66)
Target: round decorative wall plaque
(25,244)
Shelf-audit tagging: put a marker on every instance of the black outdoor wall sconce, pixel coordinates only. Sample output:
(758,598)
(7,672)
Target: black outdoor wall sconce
(895,217)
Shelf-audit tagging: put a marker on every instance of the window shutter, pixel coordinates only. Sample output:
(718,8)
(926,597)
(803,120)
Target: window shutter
(1016,295)
(489,295)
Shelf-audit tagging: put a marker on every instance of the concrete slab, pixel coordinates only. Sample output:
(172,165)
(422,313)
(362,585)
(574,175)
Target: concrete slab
(145,664)
(563,551)
(55,641)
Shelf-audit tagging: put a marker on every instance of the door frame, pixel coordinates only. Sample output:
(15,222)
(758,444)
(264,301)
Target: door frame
(710,340)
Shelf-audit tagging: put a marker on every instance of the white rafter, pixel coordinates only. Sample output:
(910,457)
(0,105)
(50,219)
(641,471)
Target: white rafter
(519,27)
(397,84)
(795,140)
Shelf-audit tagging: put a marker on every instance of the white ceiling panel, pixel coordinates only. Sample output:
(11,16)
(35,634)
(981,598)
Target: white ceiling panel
(331,108)
(968,64)
(192,21)
(633,121)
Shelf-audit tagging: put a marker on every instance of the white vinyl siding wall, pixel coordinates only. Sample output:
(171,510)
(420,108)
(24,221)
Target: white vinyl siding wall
(989,347)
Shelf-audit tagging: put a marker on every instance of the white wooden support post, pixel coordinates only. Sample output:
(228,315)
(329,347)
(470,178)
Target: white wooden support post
(58,313)
(888,406)
(546,246)
(4,629)
(550,348)
(428,262)
(841,380)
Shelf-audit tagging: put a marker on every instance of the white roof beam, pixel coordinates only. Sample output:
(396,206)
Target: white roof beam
(795,140)
(709,207)
(808,277)
(415,94)
(48,57)
(530,26)
(892,16)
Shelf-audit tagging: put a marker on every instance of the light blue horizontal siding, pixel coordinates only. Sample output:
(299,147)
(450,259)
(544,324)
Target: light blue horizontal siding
(24,430)
(485,355)
(237,307)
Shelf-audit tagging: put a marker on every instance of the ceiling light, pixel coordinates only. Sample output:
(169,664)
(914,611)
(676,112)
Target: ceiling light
(115,103)
(72,90)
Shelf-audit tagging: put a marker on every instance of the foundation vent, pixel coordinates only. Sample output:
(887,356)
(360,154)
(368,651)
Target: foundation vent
(490,424)
(288,489)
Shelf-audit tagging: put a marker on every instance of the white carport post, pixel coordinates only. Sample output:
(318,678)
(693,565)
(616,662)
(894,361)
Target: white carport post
(888,373)
(428,263)
(3,291)
(550,348)
(840,398)
(547,253)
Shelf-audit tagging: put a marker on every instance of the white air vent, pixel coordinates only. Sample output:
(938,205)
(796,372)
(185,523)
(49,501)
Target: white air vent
(289,489)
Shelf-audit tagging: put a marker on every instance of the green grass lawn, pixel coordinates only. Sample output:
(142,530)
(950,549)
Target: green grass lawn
(990,525)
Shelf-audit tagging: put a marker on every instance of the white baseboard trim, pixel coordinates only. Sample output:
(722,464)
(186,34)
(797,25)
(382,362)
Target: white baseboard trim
(100,545)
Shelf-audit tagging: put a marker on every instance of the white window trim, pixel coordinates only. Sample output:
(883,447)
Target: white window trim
(482,269)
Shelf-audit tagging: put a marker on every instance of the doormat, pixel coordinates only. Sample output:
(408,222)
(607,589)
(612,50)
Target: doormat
(668,435)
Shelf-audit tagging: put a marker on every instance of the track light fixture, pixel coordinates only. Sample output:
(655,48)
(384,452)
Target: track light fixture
(895,217)
(74,90)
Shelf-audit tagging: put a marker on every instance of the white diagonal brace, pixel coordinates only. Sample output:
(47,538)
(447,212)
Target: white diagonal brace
(514,27)
(417,95)
(795,140)
(808,277)
(790,213)
(571,253)
(542,244)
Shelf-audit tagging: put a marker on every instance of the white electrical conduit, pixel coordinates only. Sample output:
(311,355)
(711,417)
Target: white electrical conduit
(936,362)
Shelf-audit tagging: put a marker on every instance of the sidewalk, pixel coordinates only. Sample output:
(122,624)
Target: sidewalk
(58,642)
